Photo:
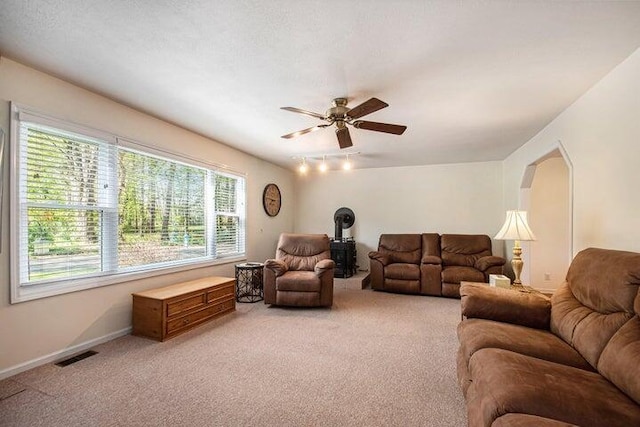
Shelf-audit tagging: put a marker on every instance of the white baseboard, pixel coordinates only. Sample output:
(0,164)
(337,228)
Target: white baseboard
(57,355)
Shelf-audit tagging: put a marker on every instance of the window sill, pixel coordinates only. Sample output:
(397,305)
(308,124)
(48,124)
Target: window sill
(33,292)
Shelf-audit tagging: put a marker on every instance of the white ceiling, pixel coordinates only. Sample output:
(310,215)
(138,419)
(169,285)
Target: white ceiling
(472,80)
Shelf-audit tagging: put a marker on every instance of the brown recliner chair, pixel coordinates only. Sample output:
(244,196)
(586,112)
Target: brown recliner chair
(466,258)
(302,272)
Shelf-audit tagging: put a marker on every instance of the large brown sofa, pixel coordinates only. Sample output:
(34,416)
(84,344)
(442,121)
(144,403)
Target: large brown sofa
(432,264)
(301,274)
(574,359)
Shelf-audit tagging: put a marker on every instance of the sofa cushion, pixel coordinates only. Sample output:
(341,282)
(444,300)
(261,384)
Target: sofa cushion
(620,360)
(456,274)
(596,299)
(464,249)
(299,281)
(476,334)
(402,286)
(302,299)
(431,244)
(401,248)
(507,382)
(303,251)
(604,280)
(586,330)
(402,271)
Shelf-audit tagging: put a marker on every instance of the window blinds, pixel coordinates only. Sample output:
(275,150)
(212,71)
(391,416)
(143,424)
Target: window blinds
(229,208)
(64,203)
(89,207)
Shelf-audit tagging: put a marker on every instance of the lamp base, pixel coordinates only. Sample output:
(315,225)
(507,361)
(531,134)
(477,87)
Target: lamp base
(517,263)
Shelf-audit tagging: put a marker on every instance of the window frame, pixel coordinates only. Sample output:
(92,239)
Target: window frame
(21,293)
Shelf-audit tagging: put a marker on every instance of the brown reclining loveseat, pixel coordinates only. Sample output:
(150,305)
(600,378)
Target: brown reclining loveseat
(431,264)
(574,359)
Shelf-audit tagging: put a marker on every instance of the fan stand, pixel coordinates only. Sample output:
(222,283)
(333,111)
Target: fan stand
(343,218)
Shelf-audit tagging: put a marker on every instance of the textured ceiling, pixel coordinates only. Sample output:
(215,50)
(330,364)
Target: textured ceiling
(472,80)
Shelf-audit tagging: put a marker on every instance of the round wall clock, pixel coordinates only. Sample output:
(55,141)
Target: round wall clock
(271,199)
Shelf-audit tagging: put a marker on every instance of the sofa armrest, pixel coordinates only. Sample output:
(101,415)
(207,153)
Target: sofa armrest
(324,265)
(431,259)
(486,262)
(505,305)
(381,258)
(277,266)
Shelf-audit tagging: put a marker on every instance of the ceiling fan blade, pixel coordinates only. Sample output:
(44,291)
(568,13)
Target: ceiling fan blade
(380,127)
(303,131)
(344,138)
(301,111)
(367,107)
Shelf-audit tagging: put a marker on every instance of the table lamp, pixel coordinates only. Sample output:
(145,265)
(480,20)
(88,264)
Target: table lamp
(516,228)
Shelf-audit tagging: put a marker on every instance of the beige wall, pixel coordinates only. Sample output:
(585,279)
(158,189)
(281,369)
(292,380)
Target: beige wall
(600,133)
(35,329)
(549,217)
(451,198)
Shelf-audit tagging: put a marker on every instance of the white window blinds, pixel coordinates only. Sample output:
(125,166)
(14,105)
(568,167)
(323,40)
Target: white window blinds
(88,207)
(229,209)
(65,204)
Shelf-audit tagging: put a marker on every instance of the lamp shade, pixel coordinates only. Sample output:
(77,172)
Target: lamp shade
(515,227)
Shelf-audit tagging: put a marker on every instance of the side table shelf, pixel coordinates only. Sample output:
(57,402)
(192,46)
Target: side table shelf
(249,286)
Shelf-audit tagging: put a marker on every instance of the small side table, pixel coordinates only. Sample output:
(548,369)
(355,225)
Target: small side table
(249,282)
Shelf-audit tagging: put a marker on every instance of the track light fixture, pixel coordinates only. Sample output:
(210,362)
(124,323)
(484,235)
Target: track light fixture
(323,162)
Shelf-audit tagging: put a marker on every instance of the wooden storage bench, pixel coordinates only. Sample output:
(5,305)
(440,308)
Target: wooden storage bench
(163,313)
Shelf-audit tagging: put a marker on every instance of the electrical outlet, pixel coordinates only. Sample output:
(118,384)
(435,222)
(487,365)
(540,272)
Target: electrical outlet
(547,277)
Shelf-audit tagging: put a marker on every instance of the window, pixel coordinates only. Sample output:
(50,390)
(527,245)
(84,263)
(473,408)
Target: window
(90,209)
(229,239)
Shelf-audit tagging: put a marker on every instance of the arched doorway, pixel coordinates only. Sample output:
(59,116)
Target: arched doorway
(546,193)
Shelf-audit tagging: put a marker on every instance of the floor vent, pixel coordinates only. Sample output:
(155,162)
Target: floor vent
(76,358)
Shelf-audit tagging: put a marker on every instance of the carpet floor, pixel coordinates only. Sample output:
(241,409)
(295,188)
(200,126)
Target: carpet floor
(373,359)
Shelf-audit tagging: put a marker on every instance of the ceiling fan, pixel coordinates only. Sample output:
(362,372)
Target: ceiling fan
(341,116)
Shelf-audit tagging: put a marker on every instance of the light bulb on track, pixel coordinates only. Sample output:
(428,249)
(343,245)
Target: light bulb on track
(347,164)
(323,165)
(303,168)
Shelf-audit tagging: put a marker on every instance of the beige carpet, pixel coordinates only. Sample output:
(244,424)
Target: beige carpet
(374,359)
